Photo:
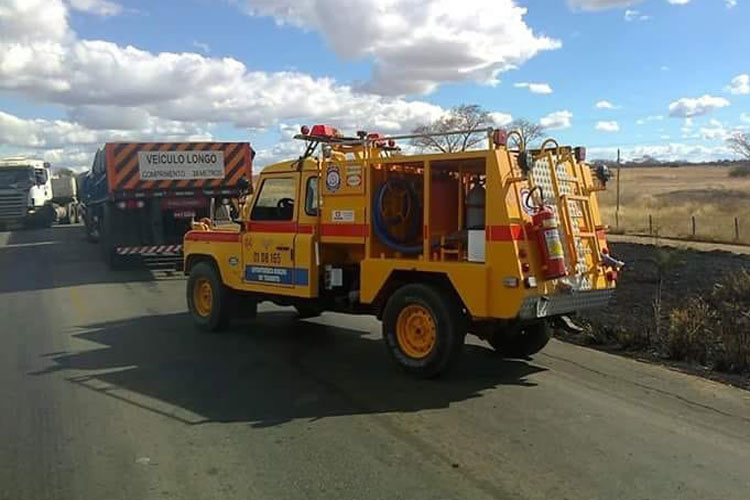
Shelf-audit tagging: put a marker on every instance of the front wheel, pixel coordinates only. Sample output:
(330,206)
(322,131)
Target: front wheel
(522,341)
(207,298)
(424,330)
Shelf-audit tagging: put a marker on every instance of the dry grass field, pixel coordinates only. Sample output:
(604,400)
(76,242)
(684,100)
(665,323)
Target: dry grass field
(673,195)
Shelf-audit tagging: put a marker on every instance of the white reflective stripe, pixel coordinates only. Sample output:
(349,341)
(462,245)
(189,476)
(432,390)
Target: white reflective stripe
(155,249)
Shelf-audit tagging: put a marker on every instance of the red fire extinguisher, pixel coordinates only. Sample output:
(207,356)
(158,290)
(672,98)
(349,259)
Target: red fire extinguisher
(545,227)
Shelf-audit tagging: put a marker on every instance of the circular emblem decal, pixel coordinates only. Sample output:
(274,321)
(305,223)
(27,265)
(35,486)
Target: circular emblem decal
(333,178)
(354,180)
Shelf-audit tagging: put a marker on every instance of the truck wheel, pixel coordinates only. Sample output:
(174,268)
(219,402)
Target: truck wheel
(423,329)
(48,217)
(307,311)
(207,298)
(522,341)
(106,241)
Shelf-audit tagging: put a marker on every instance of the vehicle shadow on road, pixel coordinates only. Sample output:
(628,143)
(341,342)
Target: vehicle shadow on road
(57,257)
(267,372)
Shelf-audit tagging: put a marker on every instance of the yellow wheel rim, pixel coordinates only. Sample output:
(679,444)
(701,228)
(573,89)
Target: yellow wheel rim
(203,296)
(416,331)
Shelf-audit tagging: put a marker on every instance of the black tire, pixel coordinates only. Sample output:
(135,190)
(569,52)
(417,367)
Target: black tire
(450,329)
(522,341)
(48,218)
(218,317)
(307,311)
(92,233)
(106,240)
(245,306)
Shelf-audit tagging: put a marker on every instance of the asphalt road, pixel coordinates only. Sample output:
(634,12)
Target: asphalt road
(109,393)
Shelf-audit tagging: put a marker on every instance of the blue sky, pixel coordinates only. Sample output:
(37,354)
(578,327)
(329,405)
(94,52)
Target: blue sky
(670,76)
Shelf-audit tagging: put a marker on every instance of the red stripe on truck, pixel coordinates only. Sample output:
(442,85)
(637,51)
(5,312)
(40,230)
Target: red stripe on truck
(512,232)
(212,236)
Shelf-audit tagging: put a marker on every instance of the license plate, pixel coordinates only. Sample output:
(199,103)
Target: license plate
(184,214)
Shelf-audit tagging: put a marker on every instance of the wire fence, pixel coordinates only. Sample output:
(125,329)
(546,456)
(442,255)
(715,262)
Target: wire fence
(692,227)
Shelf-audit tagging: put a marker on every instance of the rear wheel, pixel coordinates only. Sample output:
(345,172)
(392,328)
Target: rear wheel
(522,341)
(106,239)
(307,311)
(423,329)
(207,298)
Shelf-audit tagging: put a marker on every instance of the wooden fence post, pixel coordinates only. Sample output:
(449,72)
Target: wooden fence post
(692,218)
(650,225)
(737,228)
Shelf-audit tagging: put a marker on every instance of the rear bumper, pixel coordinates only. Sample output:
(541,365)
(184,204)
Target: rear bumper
(151,250)
(555,305)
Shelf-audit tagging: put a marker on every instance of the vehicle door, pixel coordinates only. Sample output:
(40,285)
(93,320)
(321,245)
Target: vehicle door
(268,244)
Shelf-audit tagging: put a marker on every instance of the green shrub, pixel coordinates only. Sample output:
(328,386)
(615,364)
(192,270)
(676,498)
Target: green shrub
(740,171)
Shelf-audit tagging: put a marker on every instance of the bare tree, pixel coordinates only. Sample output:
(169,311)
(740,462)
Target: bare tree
(740,144)
(469,117)
(530,131)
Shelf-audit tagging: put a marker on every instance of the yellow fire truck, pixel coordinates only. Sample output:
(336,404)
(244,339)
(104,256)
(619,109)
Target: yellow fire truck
(496,242)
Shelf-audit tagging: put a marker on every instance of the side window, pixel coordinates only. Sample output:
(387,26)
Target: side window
(275,201)
(41,176)
(311,196)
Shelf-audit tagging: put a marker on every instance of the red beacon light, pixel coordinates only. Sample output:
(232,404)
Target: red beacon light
(324,131)
(500,137)
(376,138)
(305,130)
(391,143)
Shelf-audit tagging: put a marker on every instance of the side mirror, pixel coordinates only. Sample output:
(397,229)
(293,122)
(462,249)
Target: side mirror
(243,184)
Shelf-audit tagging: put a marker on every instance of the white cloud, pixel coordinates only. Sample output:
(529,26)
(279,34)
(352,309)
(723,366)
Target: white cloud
(202,46)
(635,15)
(97,7)
(557,120)
(745,117)
(664,68)
(607,126)
(730,4)
(416,46)
(665,152)
(534,88)
(714,131)
(740,85)
(652,118)
(104,82)
(687,107)
(678,2)
(600,4)
(605,105)
(70,143)
(500,119)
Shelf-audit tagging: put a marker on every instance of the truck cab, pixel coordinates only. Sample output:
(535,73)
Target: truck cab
(494,242)
(25,191)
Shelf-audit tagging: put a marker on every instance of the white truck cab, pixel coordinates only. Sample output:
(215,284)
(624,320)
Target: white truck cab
(25,191)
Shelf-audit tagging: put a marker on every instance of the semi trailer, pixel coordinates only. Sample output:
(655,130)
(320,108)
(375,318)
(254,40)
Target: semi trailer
(139,199)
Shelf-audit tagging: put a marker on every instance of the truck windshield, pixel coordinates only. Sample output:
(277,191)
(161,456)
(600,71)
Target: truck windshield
(16,177)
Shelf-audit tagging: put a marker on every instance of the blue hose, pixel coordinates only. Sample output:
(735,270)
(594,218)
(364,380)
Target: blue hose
(380,226)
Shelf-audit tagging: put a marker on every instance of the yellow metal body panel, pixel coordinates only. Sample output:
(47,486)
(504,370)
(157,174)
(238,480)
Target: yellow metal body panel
(287,258)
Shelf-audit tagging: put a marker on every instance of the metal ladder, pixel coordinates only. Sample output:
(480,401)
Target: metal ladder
(574,196)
